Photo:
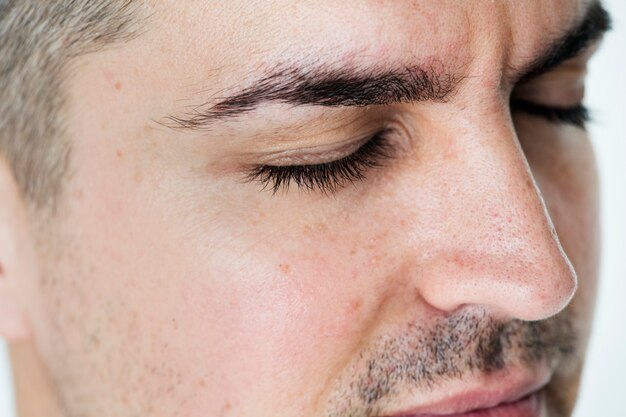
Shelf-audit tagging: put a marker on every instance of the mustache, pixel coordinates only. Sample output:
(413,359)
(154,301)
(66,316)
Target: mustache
(415,357)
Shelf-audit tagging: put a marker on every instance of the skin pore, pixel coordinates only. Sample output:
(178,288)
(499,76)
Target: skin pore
(180,279)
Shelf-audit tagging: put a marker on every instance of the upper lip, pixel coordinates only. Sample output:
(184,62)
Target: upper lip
(478,396)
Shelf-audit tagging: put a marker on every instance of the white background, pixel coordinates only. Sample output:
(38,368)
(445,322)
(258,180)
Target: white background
(602,389)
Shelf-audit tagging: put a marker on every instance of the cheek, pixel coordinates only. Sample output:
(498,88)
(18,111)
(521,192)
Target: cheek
(284,304)
(221,307)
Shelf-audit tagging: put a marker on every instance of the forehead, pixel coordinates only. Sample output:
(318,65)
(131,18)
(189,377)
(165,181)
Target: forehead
(197,49)
(246,35)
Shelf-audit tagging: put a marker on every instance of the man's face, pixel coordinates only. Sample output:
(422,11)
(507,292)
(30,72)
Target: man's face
(322,208)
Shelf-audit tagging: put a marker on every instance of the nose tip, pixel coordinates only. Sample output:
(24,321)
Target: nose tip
(528,280)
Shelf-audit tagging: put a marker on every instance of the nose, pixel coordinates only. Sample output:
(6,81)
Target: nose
(491,240)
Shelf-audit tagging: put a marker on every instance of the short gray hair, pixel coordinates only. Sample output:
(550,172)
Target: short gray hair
(38,41)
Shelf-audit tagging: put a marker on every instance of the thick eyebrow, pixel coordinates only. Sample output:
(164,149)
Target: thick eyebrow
(591,27)
(325,85)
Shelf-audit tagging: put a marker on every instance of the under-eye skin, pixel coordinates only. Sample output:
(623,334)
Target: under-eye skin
(326,177)
(576,115)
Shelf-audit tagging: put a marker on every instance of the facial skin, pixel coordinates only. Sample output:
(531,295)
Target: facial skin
(169,285)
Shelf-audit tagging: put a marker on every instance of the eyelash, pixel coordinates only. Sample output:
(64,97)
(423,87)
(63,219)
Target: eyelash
(330,176)
(327,177)
(577,115)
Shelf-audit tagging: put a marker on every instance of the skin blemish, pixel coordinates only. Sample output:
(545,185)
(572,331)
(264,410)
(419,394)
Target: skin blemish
(450,154)
(226,408)
(78,195)
(137,176)
(110,79)
(529,184)
(284,268)
(354,306)
(119,153)
(459,260)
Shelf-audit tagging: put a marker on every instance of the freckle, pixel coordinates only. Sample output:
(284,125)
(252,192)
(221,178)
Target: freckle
(529,183)
(322,227)
(137,176)
(118,86)
(95,341)
(449,154)
(354,306)
(225,408)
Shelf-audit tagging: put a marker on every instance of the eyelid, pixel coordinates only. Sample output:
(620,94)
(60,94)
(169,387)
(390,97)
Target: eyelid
(556,96)
(317,154)
(552,91)
(577,115)
(326,177)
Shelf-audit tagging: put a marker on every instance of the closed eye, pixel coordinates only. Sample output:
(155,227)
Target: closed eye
(577,115)
(326,177)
